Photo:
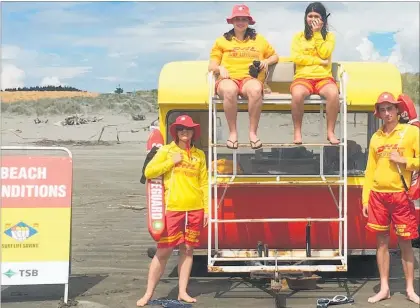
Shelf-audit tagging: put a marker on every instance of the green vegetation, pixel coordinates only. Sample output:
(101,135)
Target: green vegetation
(130,103)
(410,83)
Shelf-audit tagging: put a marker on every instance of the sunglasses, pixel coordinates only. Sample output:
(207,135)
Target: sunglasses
(241,19)
(336,300)
(180,128)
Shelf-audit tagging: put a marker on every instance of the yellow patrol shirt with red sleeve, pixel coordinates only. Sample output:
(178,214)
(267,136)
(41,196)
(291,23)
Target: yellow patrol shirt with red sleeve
(236,56)
(185,183)
(308,55)
(381,174)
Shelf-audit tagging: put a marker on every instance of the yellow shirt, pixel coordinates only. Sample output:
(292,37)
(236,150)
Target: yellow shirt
(186,183)
(236,56)
(307,55)
(381,174)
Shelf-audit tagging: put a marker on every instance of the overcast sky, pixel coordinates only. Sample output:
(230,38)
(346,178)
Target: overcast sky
(95,46)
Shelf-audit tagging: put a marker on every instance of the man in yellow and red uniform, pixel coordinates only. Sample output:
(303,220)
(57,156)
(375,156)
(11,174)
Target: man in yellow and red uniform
(393,155)
(184,171)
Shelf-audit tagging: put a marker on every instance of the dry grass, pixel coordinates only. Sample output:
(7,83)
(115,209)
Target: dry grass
(139,102)
(12,97)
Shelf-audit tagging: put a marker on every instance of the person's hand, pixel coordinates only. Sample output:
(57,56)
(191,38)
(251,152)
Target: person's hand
(223,72)
(205,220)
(176,158)
(317,25)
(263,64)
(365,211)
(325,62)
(397,158)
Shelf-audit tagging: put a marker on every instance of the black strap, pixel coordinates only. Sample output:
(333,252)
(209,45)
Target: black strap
(404,183)
(148,158)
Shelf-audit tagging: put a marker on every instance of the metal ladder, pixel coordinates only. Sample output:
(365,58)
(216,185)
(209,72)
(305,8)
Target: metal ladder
(336,258)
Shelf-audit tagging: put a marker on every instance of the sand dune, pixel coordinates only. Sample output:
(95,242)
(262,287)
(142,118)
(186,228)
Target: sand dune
(11,97)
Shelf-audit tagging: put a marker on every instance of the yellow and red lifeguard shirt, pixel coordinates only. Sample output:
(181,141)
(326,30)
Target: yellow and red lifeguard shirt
(381,174)
(308,55)
(236,56)
(186,182)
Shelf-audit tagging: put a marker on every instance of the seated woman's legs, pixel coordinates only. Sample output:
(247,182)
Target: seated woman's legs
(299,93)
(228,90)
(253,90)
(330,92)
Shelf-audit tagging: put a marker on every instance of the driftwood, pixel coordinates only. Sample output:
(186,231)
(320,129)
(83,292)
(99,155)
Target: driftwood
(37,121)
(78,120)
(138,117)
(118,132)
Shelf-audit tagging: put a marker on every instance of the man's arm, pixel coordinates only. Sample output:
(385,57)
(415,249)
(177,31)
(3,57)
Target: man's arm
(159,164)
(204,183)
(369,174)
(413,163)
(409,163)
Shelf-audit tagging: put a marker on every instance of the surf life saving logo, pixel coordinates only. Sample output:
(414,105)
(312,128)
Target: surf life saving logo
(21,231)
(9,273)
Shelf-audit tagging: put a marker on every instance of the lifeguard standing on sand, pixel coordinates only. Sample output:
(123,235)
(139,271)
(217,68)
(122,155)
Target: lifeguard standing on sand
(186,195)
(394,148)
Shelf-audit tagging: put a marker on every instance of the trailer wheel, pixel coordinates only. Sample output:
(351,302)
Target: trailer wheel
(280,300)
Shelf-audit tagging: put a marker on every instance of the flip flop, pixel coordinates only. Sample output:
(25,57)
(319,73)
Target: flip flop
(233,147)
(335,143)
(297,142)
(254,146)
(169,303)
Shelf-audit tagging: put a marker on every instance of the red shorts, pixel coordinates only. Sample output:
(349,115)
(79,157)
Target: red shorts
(182,227)
(385,208)
(239,83)
(313,85)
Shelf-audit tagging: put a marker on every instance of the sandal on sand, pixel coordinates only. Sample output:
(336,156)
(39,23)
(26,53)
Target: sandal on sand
(233,147)
(256,144)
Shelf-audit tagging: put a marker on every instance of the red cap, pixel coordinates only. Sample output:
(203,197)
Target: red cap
(184,120)
(384,97)
(240,10)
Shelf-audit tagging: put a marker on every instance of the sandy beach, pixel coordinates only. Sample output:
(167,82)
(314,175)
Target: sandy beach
(110,237)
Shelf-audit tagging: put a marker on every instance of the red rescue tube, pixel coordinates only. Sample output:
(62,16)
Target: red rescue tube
(409,114)
(407,108)
(155,193)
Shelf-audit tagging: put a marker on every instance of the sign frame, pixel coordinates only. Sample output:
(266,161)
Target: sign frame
(70,156)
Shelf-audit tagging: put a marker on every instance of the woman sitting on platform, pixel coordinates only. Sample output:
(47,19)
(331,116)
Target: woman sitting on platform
(232,58)
(311,52)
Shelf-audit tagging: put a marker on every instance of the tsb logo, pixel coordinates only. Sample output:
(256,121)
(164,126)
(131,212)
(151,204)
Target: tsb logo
(28,273)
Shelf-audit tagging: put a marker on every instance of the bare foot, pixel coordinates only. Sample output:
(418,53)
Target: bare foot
(233,137)
(332,139)
(381,295)
(186,298)
(144,300)
(253,136)
(297,139)
(412,296)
